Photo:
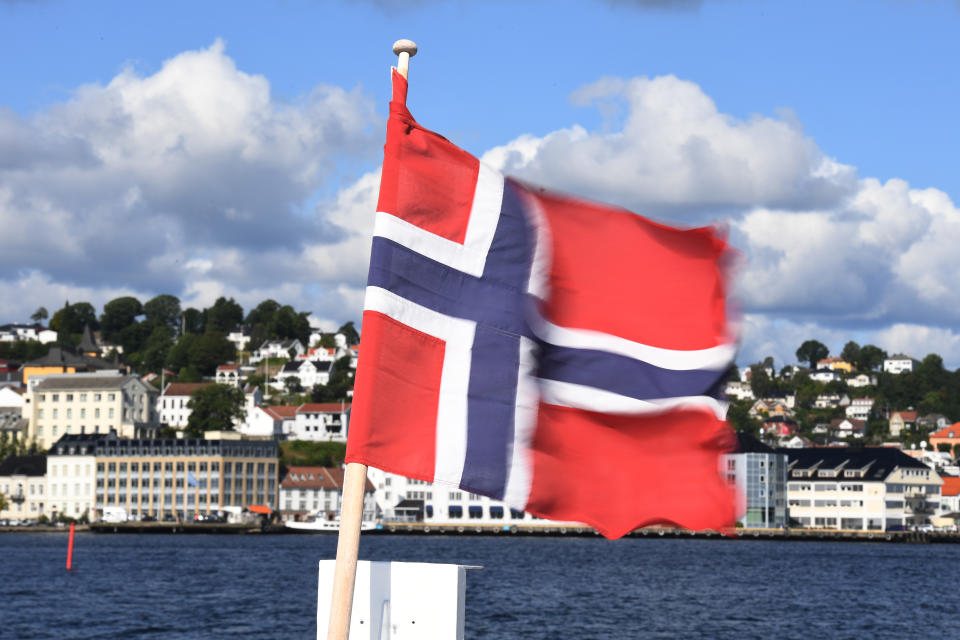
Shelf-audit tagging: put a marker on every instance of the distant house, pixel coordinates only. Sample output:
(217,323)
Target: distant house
(309,373)
(322,421)
(270,421)
(860,408)
(901,421)
(173,404)
(827,401)
(779,427)
(24,332)
(948,435)
(59,360)
(308,490)
(824,375)
(240,338)
(22,481)
(835,364)
(739,390)
(278,349)
(228,374)
(862,380)
(848,428)
(933,421)
(898,364)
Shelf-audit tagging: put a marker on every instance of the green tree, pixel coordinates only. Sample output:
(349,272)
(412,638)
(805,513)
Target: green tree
(118,314)
(812,351)
(4,503)
(153,356)
(851,353)
(871,358)
(192,320)
(40,314)
(210,351)
(224,316)
(760,383)
(214,407)
(341,381)
(163,310)
(353,338)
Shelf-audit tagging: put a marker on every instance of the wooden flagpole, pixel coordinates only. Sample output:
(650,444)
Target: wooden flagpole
(354,481)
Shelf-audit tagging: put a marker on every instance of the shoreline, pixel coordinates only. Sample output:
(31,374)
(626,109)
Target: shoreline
(525,530)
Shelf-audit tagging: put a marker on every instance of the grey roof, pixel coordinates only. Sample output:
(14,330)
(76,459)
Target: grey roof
(66,382)
(58,357)
(35,465)
(87,343)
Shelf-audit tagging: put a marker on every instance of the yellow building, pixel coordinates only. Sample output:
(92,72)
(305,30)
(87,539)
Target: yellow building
(837,364)
(81,403)
(162,478)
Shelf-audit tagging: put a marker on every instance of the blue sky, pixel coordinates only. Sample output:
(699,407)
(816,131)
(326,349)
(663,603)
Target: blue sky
(231,148)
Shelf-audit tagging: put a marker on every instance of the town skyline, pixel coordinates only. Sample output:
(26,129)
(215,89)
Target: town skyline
(238,155)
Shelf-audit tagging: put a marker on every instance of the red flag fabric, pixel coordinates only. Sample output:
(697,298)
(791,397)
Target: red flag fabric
(560,355)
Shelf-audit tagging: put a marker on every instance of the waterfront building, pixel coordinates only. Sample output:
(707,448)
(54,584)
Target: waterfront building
(400,499)
(321,421)
(307,490)
(22,483)
(868,489)
(759,474)
(78,403)
(160,477)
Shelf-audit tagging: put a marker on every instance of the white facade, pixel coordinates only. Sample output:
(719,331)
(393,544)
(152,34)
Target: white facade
(71,485)
(860,408)
(824,375)
(321,422)
(310,373)
(278,349)
(862,380)
(18,332)
(173,405)
(898,364)
(25,490)
(100,402)
(739,390)
(228,374)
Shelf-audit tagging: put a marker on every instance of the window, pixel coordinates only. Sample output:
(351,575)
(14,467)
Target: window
(54,414)
(96,397)
(69,397)
(55,397)
(455,511)
(69,413)
(456,495)
(110,412)
(83,413)
(40,414)
(83,397)
(111,396)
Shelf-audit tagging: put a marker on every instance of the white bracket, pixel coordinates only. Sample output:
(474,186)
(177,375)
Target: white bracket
(399,600)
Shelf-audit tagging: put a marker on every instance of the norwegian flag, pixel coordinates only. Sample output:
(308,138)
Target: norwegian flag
(560,355)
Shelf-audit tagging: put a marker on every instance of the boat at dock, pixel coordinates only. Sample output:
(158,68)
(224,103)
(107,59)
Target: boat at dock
(326,522)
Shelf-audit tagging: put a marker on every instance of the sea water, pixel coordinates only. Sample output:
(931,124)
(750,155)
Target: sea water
(264,586)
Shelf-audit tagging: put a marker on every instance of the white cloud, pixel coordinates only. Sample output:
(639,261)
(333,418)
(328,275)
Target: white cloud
(192,180)
(918,340)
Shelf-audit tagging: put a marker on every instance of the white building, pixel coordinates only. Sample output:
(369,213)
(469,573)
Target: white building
(228,374)
(240,338)
(23,483)
(278,349)
(824,375)
(898,364)
(18,332)
(173,404)
(860,408)
(72,480)
(862,380)
(98,402)
(866,489)
(321,421)
(739,390)
(309,373)
(308,490)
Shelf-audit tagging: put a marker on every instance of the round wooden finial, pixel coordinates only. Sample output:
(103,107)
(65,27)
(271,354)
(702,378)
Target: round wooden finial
(405,46)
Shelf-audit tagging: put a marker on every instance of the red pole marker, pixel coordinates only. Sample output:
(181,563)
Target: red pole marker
(70,547)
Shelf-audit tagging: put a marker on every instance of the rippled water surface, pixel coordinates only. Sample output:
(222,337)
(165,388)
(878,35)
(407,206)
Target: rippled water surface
(199,586)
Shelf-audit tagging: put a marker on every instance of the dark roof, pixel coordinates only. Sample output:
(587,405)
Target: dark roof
(59,357)
(879,462)
(24,465)
(746,443)
(87,343)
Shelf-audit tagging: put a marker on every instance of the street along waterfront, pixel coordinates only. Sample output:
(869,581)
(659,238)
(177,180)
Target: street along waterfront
(207,586)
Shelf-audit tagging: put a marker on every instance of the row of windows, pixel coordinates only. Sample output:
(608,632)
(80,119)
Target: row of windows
(55,413)
(68,397)
(228,467)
